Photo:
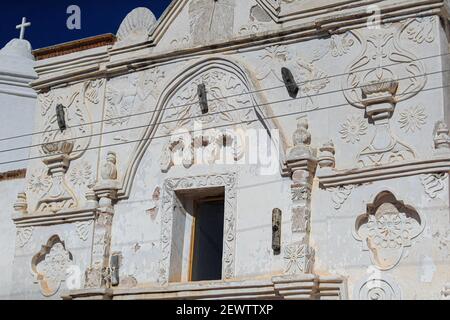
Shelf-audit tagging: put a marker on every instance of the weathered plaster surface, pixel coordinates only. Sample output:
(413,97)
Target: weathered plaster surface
(361,176)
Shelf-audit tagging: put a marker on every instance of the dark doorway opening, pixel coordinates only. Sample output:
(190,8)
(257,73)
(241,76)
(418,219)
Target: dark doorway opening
(208,240)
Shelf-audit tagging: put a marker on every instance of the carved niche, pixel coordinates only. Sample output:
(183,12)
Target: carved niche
(387,229)
(228,181)
(50,265)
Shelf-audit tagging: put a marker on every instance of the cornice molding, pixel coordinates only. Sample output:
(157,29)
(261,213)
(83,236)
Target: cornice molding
(109,62)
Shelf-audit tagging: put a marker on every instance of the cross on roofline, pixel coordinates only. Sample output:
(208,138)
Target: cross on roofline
(22,27)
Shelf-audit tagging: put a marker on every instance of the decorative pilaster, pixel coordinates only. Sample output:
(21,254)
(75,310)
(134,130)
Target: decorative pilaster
(302,163)
(98,275)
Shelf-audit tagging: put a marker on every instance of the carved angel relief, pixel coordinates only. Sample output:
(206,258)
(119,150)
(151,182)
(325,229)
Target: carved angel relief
(126,94)
(388,227)
(310,78)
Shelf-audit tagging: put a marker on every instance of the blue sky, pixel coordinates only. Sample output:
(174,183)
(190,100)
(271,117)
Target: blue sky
(48,18)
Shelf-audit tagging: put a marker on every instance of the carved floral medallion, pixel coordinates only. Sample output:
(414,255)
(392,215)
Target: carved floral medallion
(387,229)
(50,266)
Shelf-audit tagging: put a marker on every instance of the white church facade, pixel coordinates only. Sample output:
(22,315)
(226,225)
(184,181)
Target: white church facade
(260,149)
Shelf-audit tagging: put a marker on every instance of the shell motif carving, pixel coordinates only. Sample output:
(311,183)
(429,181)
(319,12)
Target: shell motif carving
(136,26)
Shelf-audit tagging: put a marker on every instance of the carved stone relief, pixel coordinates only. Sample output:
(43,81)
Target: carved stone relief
(125,95)
(384,58)
(39,181)
(83,229)
(258,21)
(136,27)
(92,90)
(167,205)
(60,147)
(433,183)
(301,162)
(340,194)
(50,265)
(207,147)
(310,78)
(441,138)
(272,60)
(81,174)
(211,21)
(227,101)
(23,236)
(384,74)
(421,30)
(388,227)
(412,119)
(78,121)
(181,42)
(385,147)
(380,287)
(251,28)
(340,44)
(353,128)
(299,258)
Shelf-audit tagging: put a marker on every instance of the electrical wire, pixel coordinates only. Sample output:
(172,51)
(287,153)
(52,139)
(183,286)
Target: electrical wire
(225,97)
(200,116)
(209,128)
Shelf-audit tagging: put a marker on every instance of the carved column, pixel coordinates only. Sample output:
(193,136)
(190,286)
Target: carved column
(98,275)
(302,163)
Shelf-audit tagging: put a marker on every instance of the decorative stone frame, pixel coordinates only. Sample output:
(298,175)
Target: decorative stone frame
(171,185)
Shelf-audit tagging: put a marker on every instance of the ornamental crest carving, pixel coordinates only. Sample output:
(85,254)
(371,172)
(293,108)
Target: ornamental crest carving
(383,58)
(60,146)
(77,118)
(387,229)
